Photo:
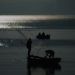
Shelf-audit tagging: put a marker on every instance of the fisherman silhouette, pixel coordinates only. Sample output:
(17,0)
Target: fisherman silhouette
(28,45)
(39,36)
(50,53)
(43,35)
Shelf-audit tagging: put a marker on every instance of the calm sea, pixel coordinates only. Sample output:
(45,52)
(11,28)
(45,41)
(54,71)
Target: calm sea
(13,60)
(13,53)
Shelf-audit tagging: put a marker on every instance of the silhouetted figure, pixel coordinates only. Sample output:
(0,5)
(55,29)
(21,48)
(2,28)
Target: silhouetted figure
(47,36)
(43,35)
(28,45)
(39,36)
(49,53)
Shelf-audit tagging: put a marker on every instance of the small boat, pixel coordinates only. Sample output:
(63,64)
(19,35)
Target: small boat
(43,36)
(43,61)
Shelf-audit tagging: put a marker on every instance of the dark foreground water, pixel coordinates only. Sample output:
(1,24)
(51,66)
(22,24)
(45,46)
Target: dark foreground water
(13,59)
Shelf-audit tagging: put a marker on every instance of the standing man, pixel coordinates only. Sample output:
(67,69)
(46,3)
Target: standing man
(28,45)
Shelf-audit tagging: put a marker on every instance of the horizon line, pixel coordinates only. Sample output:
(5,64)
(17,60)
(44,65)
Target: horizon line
(11,18)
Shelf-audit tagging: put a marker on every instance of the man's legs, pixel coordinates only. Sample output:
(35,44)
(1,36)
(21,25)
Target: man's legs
(29,50)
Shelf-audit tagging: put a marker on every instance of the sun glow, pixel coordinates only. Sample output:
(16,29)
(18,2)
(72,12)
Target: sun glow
(6,20)
(14,18)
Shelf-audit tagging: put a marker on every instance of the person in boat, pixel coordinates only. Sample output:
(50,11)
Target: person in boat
(50,53)
(28,45)
(39,36)
(43,36)
(47,36)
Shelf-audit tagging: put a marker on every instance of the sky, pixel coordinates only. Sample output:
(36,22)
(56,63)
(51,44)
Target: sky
(39,7)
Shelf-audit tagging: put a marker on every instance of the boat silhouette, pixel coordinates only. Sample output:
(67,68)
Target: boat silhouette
(43,36)
(48,68)
(43,61)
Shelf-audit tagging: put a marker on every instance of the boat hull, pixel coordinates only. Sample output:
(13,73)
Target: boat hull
(43,62)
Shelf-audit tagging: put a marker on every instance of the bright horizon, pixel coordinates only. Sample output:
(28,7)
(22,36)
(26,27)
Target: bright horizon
(23,18)
(9,21)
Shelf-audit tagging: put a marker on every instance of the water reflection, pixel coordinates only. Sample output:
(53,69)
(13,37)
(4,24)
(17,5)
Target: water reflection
(46,70)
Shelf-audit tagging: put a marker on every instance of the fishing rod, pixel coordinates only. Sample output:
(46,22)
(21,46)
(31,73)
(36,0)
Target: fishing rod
(19,31)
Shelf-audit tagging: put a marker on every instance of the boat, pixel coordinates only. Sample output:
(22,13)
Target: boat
(43,61)
(43,36)
(49,67)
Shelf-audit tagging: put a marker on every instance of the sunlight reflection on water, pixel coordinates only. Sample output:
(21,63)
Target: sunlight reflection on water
(13,21)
